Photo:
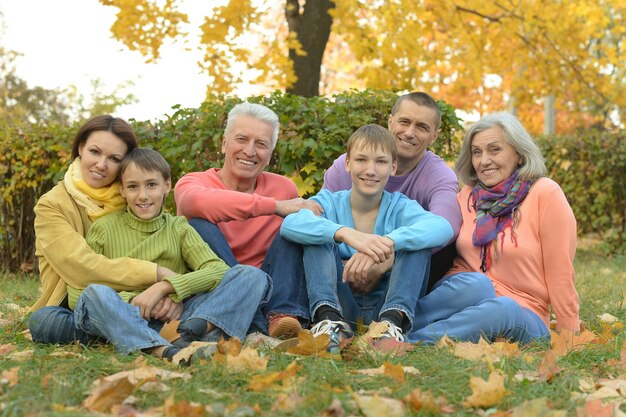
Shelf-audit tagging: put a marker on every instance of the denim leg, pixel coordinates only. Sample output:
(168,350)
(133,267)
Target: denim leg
(284,263)
(213,236)
(54,324)
(101,312)
(320,270)
(451,295)
(491,318)
(407,282)
(232,305)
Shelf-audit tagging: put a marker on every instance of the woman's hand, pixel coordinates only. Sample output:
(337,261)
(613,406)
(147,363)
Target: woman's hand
(148,299)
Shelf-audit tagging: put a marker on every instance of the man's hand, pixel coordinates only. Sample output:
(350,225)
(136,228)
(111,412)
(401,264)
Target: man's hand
(167,310)
(374,275)
(148,299)
(379,248)
(286,207)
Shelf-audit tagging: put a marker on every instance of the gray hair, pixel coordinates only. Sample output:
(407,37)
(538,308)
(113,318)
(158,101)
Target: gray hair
(532,162)
(257,111)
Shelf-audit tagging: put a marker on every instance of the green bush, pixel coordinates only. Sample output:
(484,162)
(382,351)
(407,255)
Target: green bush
(591,169)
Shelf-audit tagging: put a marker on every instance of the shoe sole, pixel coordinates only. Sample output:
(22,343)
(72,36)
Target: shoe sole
(286,328)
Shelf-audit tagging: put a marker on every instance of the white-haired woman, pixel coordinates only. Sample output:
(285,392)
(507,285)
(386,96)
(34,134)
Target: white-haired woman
(516,246)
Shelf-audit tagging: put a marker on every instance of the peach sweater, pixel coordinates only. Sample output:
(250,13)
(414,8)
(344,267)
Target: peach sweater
(539,272)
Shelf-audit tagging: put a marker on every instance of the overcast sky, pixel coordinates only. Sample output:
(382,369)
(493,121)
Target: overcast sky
(66,42)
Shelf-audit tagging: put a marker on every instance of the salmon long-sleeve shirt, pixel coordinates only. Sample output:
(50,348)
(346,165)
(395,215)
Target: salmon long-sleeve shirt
(539,271)
(247,220)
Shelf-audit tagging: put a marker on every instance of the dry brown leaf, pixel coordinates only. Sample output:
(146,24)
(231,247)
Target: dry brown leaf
(247,359)
(396,372)
(485,351)
(23,355)
(426,402)
(392,347)
(186,354)
(486,393)
(144,373)
(287,402)
(261,382)
(548,367)
(565,341)
(169,331)
(537,407)
(375,330)
(595,408)
(335,409)
(609,388)
(8,348)
(66,354)
(445,342)
(106,394)
(182,409)
(10,377)
(308,344)
(376,406)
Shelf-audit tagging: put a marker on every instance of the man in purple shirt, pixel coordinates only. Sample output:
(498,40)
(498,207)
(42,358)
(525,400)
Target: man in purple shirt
(421,175)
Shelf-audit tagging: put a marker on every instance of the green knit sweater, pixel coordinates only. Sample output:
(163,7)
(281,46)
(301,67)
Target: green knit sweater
(166,240)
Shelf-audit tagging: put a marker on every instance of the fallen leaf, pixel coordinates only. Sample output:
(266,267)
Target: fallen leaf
(548,367)
(595,408)
(586,385)
(607,318)
(335,409)
(108,393)
(376,329)
(486,393)
(396,372)
(392,346)
(183,408)
(565,341)
(445,342)
(247,359)
(287,403)
(145,373)
(537,407)
(376,406)
(187,353)
(426,402)
(8,348)
(9,377)
(21,355)
(485,351)
(66,354)
(169,331)
(609,388)
(308,344)
(261,382)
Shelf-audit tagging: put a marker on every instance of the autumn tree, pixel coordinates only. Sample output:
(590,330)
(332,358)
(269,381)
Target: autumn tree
(477,55)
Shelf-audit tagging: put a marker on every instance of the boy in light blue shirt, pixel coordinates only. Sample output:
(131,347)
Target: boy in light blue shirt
(366,233)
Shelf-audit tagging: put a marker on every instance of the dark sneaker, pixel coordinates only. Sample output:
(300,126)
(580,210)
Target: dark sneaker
(336,331)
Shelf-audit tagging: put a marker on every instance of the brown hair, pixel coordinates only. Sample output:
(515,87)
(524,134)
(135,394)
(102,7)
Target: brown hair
(421,99)
(146,159)
(119,127)
(373,136)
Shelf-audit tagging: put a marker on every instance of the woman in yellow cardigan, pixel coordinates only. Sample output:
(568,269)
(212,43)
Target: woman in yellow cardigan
(63,216)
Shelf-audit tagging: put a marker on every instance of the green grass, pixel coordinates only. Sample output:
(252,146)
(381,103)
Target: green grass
(55,386)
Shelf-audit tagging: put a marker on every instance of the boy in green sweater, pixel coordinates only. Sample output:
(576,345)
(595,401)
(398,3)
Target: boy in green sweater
(210,299)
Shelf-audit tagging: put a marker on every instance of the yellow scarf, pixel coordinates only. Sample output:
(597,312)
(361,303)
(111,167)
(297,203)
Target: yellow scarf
(97,201)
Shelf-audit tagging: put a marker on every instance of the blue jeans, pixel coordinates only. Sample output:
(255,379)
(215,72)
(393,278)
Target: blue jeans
(464,306)
(283,263)
(398,290)
(100,313)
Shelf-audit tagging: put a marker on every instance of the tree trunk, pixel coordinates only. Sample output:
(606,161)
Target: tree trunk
(312,28)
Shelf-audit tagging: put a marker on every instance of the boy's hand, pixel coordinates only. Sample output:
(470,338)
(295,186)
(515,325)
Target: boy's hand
(374,275)
(150,297)
(357,268)
(377,247)
(286,207)
(167,310)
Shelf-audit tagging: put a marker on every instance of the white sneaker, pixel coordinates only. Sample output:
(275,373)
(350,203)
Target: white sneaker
(336,331)
(392,332)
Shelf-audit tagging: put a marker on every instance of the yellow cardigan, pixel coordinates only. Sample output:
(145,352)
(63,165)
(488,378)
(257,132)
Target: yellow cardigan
(66,259)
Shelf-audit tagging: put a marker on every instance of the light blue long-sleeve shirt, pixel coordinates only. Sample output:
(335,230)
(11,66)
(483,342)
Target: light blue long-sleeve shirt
(401,219)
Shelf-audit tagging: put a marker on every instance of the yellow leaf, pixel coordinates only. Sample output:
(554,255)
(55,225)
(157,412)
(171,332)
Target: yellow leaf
(536,408)
(310,345)
(9,377)
(565,341)
(261,382)
(486,393)
(247,359)
(376,406)
(287,403)
(107,394)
